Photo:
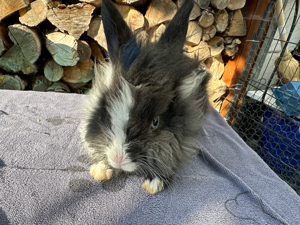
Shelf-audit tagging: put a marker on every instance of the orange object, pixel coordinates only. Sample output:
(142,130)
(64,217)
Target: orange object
(233,69)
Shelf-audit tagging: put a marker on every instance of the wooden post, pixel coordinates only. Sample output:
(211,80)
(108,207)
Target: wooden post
(234,67)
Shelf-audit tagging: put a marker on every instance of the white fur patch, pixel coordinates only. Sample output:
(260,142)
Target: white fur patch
(119,113)
(190,84)
(103,81)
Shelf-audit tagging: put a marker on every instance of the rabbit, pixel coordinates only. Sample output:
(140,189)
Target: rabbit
(147,104)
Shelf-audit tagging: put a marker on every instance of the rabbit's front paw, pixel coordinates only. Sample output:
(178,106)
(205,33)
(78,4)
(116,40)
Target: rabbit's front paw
(101,171)
(154,186)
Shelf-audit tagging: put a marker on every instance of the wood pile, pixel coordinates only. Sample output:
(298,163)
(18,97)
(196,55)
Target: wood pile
(51,45)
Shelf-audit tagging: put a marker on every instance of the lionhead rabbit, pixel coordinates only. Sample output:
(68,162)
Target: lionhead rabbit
(147,105)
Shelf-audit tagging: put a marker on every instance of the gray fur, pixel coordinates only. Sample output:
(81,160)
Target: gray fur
(163,82)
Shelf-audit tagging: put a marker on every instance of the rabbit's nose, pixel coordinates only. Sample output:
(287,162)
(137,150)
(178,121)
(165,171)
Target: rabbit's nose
(116,161)
(119,160)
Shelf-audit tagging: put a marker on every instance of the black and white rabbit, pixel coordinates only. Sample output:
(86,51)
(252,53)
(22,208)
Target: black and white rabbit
(148,103)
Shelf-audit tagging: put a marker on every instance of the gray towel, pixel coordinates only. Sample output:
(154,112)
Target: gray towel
(44,176)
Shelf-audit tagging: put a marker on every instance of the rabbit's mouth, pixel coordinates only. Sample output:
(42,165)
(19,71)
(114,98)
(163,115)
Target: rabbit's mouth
(121,160)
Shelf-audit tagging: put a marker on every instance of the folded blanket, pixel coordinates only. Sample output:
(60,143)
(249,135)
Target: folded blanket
(44,176)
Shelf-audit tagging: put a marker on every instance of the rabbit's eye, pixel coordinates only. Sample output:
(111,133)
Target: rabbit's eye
(155,123)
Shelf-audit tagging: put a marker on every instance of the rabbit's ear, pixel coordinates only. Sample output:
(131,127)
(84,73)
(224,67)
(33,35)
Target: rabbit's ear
(175,34)
(121,43)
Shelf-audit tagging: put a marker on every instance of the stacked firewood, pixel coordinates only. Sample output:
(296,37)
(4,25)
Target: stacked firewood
(52,45)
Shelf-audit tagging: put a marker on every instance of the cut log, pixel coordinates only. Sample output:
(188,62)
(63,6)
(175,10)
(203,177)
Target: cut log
(96,49)
(228,40)
(53,71)
(216,45)
(200,52)
(196,11)
(11,82)
(80,14)
(134,3)
(82,90)
(215,65)
(2,47)
(134,19)
(53,3)
(80,74)
(96,31)
(34,14)
(10,6)
(206,19)
(234,4)
(59,87)
(28,39)
(221,20)
(5,42)
(160,11)
(96,3)
(219,4)
(203,4)
(79,40)
(194,33)
(208,33)
(84,50)
(143,37)
(218,105)
(24,82)
(189,51)
(157,33)
(237,24)
(232,48)
(14,61)
(215,88)
(63,48)
(40,83)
